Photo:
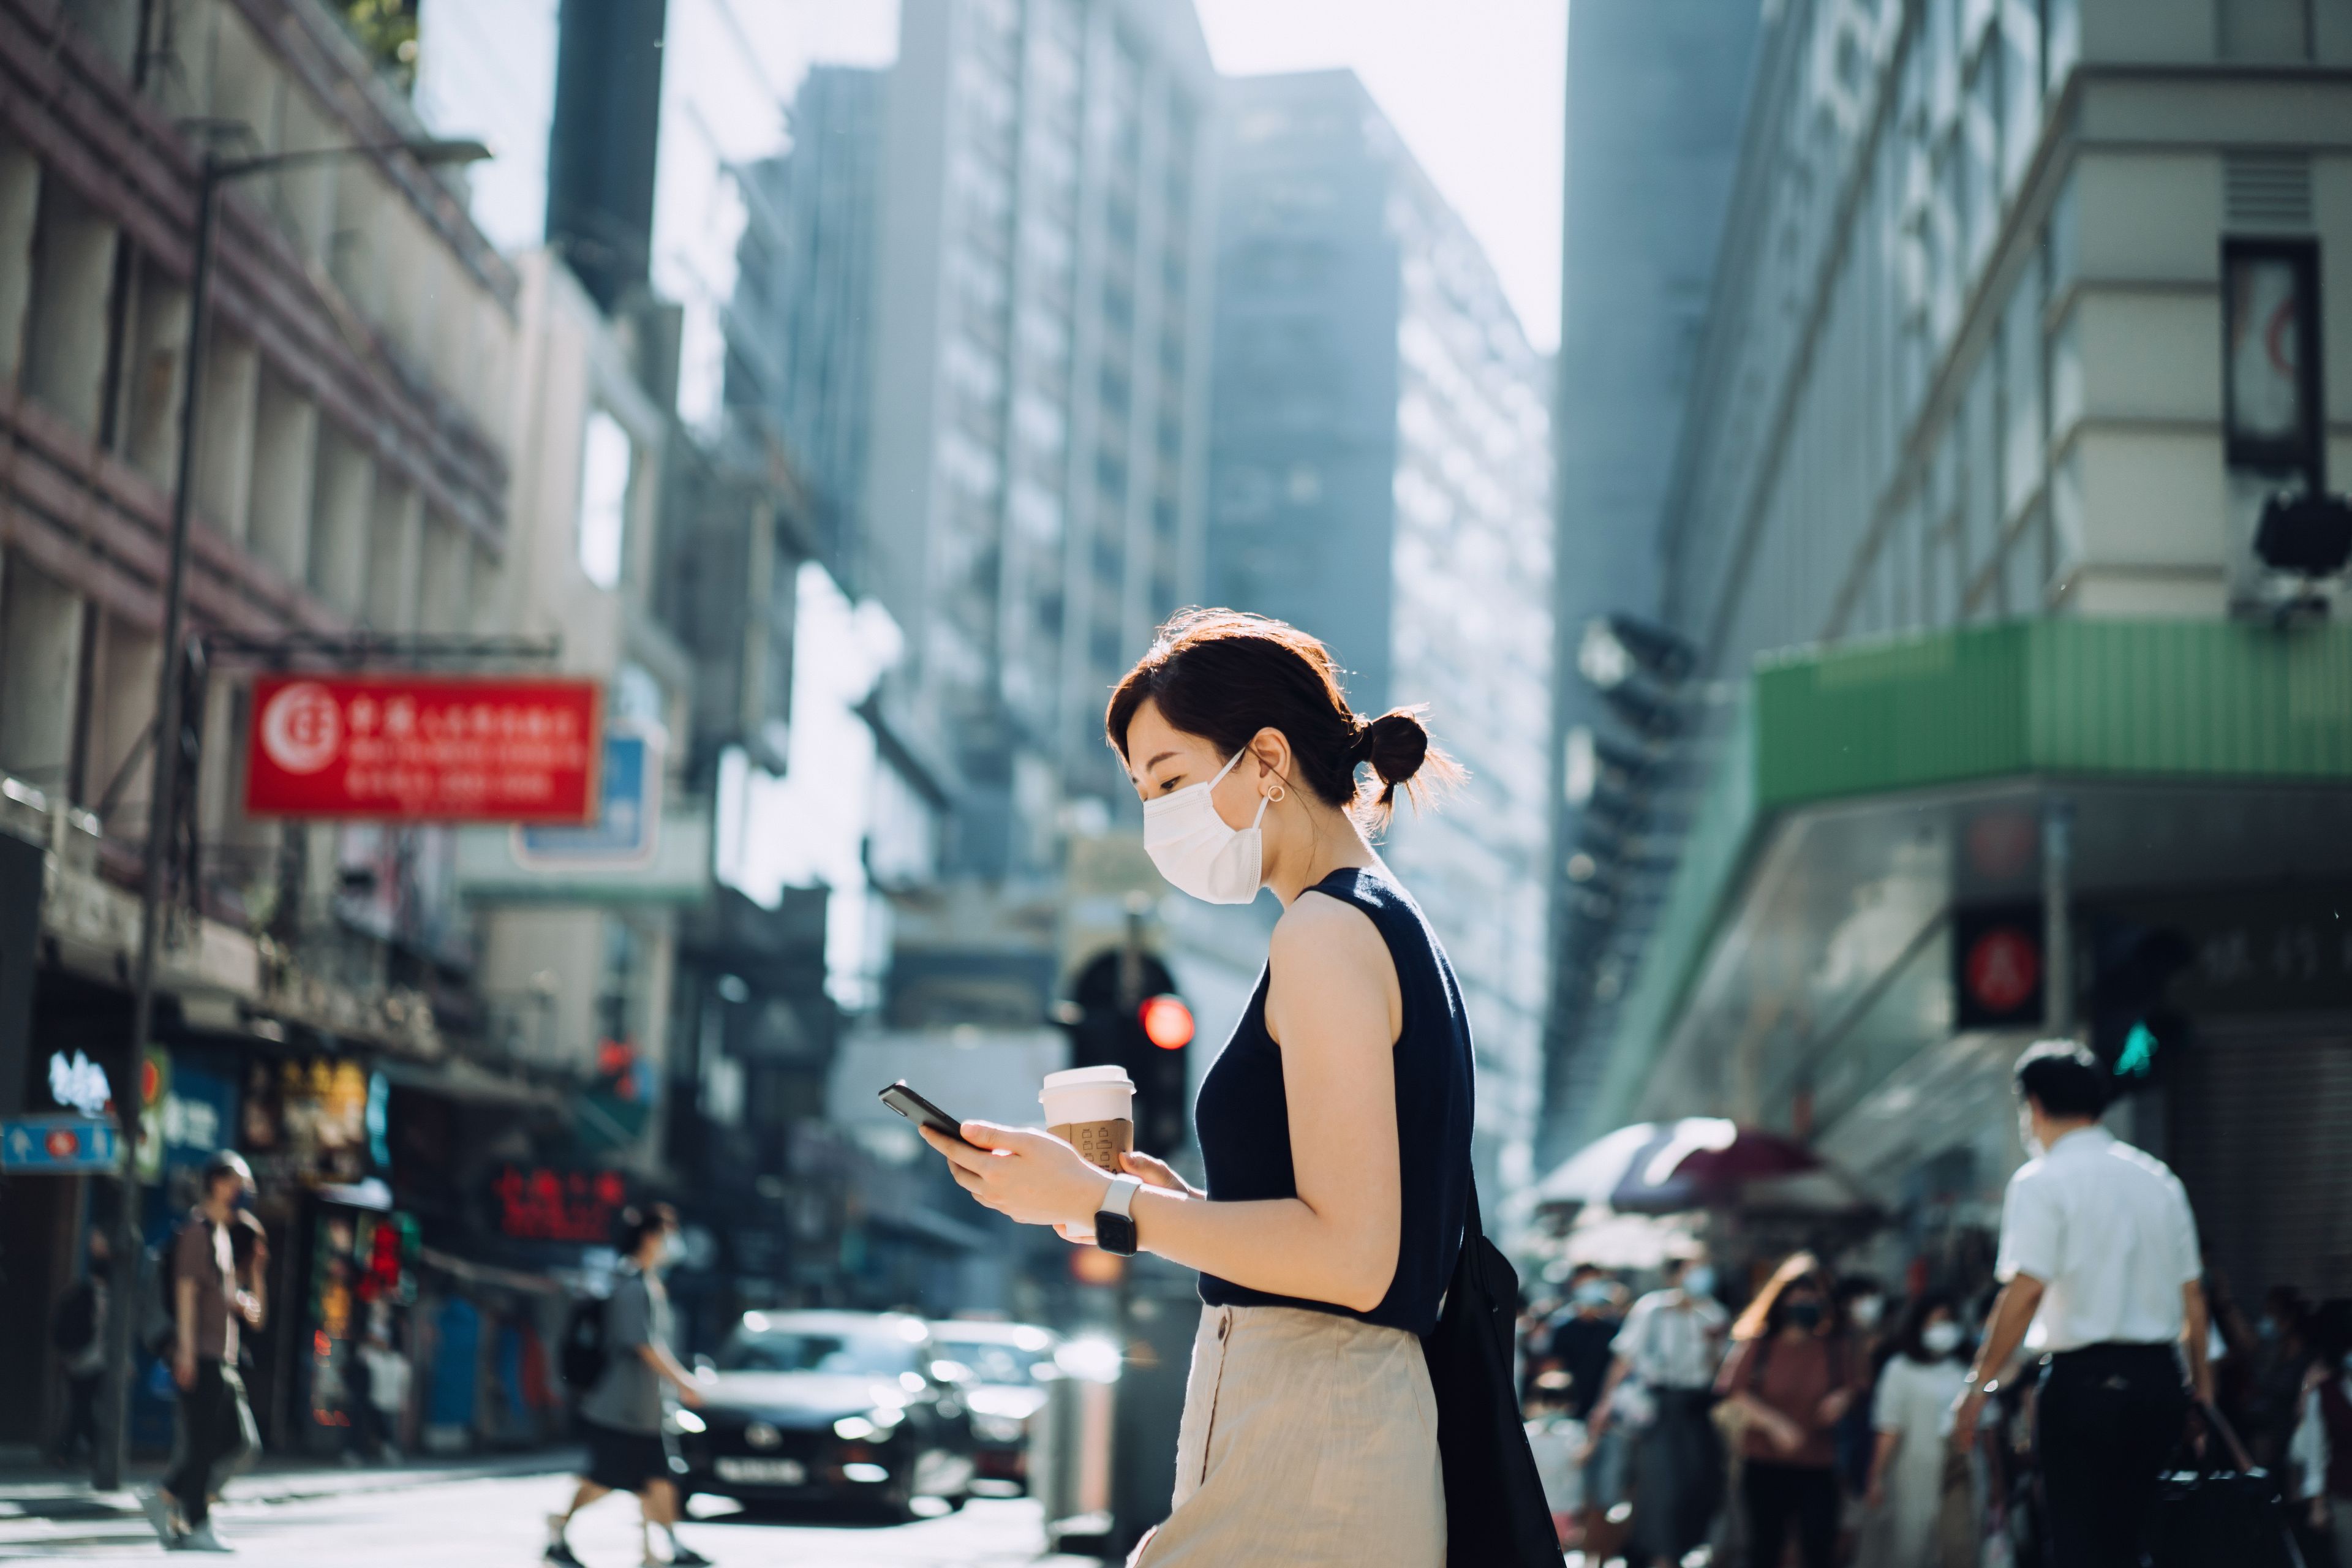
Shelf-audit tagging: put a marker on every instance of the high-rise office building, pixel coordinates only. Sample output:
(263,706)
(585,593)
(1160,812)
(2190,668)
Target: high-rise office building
(1380,474)
(1654,90)
(804,274)
(1034,456)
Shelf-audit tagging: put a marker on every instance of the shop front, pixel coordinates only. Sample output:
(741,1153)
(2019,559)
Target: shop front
(1916,858)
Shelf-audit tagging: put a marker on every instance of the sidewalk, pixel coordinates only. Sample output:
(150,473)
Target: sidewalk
(43,1507)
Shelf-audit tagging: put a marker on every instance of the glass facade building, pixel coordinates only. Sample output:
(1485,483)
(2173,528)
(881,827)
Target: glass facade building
(1381,476)
(1035,451)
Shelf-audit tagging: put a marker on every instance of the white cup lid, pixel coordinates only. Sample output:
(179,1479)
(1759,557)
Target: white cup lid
(1077,1078)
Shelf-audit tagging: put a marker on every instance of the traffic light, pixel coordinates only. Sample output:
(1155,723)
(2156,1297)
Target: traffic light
(2134,1030)
(1124,1012)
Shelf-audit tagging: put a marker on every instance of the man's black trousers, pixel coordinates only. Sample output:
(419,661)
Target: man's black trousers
(2108,1420)
(212,1428)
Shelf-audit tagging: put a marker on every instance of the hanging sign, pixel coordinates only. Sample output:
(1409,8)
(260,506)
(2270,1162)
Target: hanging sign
(425,749)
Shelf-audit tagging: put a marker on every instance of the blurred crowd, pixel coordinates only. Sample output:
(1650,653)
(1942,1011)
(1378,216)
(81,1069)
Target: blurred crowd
(1814,1423)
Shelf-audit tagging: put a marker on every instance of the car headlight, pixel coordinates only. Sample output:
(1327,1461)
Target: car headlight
(852,1428)
(997,1428)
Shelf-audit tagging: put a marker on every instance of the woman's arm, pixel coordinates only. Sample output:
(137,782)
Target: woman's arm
(1881,1461)
(1332,1007)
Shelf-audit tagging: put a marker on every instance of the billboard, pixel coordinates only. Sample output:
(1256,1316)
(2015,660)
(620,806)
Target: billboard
(409,748)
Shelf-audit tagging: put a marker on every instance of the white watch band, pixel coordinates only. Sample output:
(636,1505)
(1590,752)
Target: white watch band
(1123,1188)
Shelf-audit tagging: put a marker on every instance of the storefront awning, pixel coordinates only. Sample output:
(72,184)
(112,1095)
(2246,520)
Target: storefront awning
(1803,949)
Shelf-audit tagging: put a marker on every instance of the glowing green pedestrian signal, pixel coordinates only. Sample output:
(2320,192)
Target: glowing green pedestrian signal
(2138,1058)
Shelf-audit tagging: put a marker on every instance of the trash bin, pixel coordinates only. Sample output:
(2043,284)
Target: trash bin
(1072,1445)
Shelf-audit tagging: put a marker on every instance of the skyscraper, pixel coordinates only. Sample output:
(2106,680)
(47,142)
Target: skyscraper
(1380,470)
(1035,453)
(805,275)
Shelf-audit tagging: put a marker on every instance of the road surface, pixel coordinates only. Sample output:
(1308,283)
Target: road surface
(498,1523)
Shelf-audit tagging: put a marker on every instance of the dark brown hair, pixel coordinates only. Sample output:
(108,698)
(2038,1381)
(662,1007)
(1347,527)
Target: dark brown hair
(1223,675)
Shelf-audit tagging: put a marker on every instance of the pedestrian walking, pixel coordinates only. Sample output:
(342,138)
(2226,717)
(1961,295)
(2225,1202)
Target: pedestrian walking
(386,1383)
(2096,1238)
(627,1417)
(1911,1412)
(1661,1391)
(1791,1377)
(2322,1447)
(78,1334)
(1581,1335)
(211,1302)
(1335,1128)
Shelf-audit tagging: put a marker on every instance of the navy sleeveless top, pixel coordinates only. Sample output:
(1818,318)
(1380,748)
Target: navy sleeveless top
(1242,1115)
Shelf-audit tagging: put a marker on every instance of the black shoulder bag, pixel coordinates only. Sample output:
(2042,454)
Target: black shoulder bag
(1495,1516)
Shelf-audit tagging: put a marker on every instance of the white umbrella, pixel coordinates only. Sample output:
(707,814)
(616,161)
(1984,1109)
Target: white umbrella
(1592,1172)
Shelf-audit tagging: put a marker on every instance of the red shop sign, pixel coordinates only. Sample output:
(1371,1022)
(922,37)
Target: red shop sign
(425,749)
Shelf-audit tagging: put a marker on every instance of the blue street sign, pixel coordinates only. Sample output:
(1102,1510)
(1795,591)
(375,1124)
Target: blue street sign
(58,1145)
(624,833)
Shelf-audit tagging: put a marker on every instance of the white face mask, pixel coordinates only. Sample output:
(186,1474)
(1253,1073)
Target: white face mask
(1866,1312)
(1197,852)
(1941,1339)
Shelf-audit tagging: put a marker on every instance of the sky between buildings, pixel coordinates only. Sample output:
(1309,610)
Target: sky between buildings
(1475,86)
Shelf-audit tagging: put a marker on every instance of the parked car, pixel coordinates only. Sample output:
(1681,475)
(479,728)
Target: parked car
(829,1407)
(1002,1370)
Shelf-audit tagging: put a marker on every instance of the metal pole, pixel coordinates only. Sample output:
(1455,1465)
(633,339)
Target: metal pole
(122,1308)
(2057,929)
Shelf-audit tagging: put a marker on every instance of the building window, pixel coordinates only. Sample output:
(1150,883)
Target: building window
(2270,365)
(606,459)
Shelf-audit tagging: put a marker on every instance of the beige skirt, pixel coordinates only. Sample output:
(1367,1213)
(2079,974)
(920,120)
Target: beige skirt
(1307,1439)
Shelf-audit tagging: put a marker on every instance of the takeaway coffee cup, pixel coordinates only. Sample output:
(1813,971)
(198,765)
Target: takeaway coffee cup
(1093,1110)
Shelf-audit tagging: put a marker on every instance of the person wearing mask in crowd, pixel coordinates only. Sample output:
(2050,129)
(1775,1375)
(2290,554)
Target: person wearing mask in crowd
(78,1333)
(2097,1239)
(2275,1374)
(1859,1304)
(626,1415)
(1581,1334)
(1659,1385)
(213,1300)
(1791,1377)
(1911,1412)
(2322,1447)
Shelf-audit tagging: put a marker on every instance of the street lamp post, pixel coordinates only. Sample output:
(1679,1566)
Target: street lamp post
(124,1307)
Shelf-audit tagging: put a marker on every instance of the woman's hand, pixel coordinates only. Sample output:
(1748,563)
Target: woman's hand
(1833,1407)
(1033,1177)
(1156,1174)
(1784,1434)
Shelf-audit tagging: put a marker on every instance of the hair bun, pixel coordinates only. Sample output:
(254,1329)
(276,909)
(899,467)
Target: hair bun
(1396,744)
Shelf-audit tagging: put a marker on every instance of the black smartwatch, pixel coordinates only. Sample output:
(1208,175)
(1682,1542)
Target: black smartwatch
(1114,1226)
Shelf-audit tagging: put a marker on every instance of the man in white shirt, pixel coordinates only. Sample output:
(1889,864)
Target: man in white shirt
(1662,1383)
(2096,1238)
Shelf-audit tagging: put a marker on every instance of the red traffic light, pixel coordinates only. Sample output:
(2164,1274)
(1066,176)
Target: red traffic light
(1167,1022)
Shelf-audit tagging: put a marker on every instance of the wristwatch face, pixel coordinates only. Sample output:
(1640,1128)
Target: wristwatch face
(1115,1233)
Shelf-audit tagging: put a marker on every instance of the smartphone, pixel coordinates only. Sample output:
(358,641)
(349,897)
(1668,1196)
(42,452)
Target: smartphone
(921,1111)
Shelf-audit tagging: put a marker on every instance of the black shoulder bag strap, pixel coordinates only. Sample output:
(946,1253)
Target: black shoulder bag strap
(1495,1516)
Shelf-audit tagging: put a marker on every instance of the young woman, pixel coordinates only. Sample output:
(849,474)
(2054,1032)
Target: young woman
(1912,1416)
(1335,1128)
(1791,1376)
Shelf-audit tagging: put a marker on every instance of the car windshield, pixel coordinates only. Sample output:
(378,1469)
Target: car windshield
(995,1362)
(878,1354)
